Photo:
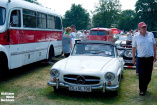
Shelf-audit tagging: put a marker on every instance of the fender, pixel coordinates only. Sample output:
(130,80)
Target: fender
(4,50)
(55,44)
(119,71)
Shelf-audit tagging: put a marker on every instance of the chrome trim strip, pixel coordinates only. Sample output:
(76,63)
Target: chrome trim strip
(69,78)
(113,88)
(104,86)
(85,79)
(33,29)
(28,51)
(66,85)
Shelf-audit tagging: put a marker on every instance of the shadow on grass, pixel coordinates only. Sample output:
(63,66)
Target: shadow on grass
(83,97)
(24,70)
(27,69)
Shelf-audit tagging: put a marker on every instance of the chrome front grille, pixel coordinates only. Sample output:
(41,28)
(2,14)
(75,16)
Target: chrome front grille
(81,79)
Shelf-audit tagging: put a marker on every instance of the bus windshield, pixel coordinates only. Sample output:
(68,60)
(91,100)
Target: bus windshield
(95,32)
(2,16)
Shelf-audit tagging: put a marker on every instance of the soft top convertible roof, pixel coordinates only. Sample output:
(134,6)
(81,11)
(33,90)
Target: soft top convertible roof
(95,42)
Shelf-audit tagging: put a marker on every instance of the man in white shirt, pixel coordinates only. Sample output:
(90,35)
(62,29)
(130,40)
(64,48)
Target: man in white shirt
(145,44)
(73,34)
(129,35)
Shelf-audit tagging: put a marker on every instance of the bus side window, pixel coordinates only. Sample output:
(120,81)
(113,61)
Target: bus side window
(50,22)
(41,20)
(15,20)
(29,18)
(58,23)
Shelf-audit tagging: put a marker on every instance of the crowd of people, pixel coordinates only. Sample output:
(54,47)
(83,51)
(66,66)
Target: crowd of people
(68,39)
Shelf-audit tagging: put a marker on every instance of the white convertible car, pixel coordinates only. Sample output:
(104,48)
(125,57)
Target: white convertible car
(92,66)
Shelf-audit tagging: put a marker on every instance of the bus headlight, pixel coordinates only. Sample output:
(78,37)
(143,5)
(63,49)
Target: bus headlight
(54,72)
(109,76)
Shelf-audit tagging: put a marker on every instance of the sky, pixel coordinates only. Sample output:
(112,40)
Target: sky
(61,6)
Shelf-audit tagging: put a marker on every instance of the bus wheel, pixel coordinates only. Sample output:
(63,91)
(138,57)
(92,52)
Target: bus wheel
(51,54)
(3,68)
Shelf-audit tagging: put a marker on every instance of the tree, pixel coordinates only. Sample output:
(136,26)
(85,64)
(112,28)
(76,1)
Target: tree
(106,13)
(33,1)
(77,16)
(147,12)
(127,20)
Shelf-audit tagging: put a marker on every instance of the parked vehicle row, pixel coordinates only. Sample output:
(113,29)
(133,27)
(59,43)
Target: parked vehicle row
(124,47)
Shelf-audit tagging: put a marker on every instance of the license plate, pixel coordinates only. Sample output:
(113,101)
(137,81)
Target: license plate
(128,61)
(80,88)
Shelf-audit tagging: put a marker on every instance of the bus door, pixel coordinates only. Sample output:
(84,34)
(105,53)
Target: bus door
(15,30)
(15,38)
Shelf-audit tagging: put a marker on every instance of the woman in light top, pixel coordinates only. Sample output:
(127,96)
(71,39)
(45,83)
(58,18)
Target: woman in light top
(66,42)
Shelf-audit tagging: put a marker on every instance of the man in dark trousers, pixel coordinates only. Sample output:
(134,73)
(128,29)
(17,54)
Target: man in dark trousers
(145,44)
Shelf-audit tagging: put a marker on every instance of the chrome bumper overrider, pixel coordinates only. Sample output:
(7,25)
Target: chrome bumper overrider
(103,88)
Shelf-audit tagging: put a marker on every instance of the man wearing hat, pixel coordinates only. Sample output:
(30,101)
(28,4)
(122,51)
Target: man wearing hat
(145,44)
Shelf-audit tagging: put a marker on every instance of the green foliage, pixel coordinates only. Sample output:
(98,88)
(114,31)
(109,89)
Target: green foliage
(127,20)
(107,13)
(33,1)
(77,16)
(147,12)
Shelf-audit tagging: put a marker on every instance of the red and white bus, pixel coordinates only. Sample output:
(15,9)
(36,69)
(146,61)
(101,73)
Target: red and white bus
(28,33)
(104,34)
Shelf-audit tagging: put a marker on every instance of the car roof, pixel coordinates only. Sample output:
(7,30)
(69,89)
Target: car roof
(93,29)
(95,42)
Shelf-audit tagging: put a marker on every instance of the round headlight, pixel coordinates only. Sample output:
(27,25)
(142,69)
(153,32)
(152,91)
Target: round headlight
(128,53)
(54,72)
(109,76)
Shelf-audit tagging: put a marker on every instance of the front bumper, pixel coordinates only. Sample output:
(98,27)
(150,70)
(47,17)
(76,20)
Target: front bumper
(129,63)
(127,66)
(102,88)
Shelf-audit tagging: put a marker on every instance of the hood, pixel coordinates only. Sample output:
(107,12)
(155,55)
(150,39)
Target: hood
(88,63)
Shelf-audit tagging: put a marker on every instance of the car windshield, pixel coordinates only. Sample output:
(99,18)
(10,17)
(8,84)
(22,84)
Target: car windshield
(95,32)
(122,38)
(93,49)
(2,16)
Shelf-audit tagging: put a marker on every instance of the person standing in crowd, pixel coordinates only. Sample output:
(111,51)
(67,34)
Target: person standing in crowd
(122,32)
(85,35)
(73,34)
(129,35)
(145,44)
(136,32)
(66,42)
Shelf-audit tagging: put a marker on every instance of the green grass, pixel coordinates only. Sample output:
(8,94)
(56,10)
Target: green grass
(29,84)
